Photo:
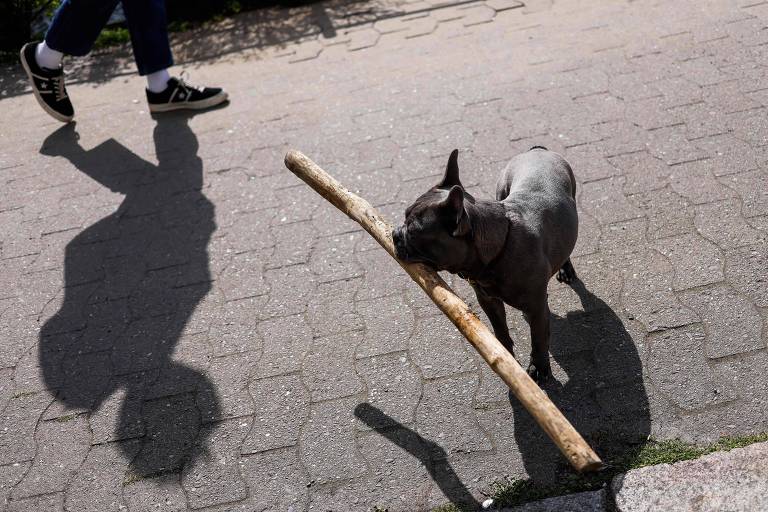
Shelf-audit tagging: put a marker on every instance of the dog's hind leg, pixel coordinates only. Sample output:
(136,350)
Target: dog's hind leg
(567,273)
(494,310)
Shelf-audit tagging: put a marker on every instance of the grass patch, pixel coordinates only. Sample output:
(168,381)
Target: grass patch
(112,36)
(21,394)
(132,477)
(450,507)
(509,493)
(68,417)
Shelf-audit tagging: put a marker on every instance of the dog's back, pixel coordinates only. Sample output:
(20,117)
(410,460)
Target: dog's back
(539,186)
(536,171)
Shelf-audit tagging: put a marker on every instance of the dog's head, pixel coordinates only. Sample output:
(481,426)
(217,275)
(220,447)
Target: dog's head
(437,229)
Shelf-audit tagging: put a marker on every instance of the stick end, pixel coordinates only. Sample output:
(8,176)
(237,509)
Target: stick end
(292,156)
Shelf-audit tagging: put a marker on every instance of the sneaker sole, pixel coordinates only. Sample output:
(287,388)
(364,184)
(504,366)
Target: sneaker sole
(196,105)
(56,115)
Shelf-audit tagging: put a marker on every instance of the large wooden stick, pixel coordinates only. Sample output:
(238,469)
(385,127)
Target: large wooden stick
(546,414)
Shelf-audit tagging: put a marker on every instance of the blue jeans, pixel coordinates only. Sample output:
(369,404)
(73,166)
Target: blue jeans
(77,24)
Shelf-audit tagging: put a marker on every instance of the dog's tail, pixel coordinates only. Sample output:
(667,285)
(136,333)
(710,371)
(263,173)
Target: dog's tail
(538,147)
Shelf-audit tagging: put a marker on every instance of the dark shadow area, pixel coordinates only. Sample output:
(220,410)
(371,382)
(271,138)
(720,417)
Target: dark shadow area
(430,454)
(132,282)
(604,396)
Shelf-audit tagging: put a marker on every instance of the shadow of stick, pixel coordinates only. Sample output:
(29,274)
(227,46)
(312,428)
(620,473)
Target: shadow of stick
(430,454)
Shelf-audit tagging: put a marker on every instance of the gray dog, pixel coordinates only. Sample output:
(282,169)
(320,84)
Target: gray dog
(507,249)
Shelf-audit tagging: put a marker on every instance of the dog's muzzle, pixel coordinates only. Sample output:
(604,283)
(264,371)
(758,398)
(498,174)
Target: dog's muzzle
(398,238)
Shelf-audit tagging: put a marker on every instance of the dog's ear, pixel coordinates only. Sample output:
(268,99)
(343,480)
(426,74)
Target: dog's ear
(451,176)
(455,204)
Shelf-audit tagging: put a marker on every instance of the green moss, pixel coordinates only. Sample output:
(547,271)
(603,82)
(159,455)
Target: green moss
(450,507)
(68,417)
(21,394)
(112,36)
(510,493)
(132,477)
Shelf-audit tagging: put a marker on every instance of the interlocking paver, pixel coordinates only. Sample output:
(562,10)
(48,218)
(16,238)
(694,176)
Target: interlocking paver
(328,448)
(733,323)
(62,445)
(98,484)
(214,476)
(211,307)
(283,410)
(696,261)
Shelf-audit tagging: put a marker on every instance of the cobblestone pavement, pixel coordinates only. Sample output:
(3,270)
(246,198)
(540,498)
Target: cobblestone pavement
(184,325)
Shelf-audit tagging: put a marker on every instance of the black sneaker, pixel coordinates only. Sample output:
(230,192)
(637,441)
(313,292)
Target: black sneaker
(47,85)
(179,95)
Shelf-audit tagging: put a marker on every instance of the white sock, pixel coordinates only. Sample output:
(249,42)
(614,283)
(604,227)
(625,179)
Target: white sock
(158,81)
(46,57)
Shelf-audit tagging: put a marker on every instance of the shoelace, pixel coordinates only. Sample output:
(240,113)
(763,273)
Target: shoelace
(185,85)
(58,82)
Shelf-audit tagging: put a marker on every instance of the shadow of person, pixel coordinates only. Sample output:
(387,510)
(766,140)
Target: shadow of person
(131,283)
(604,396)
(429,453)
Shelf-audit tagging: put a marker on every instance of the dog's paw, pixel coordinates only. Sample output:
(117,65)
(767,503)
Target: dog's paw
(567,273)
(540,377)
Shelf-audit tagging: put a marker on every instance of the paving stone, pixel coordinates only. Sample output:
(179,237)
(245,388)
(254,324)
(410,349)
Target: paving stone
(332,258)
(647,294)
(276,479)
(384,334)
(749,126)
(589,236)
(393,386)
(98,484)
(753,189)
(733,323)
(226,395)
(444,415)
(119,415)
(213,476)
(286,341)
(10,475)
(172,425)
(729,155)
(696,182)
(331,310)
(243,277)
(289,290)
(329,367)
(668,213)
(671,355)
(397,459)
(236,332)
(743,269)
(47,503)
(605,201)
(328,446)
(284,406)
(438,349)
(724,224)
(62,445)
(162,492)
(20,417)
(696,261)
(642,172)
(288,251)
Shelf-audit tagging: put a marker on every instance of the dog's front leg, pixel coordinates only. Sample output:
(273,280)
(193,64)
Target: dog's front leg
(538,320)
(494,310)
